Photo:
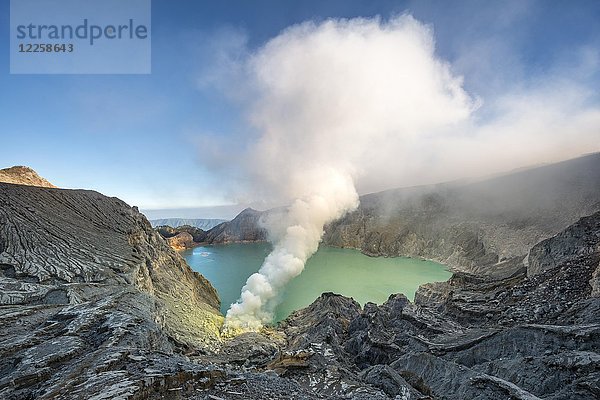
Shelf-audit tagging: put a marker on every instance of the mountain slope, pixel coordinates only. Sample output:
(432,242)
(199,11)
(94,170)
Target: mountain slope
(94,304)
(91,296)
(245,227)
(484,227)
(23,176)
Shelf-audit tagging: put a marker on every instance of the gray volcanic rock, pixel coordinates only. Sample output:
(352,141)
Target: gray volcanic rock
(315,355)
(485,228)
(94,304)
(520,337)
(245,227)
(578,240)
(92,299)
(193,236)
(390,381)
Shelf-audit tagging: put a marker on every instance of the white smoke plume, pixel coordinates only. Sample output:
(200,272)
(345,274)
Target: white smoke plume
(327,99)
(302,230)
(360,105)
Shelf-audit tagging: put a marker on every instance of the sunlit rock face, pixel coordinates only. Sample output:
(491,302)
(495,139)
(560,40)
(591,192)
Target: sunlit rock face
(23,176)
(181,241)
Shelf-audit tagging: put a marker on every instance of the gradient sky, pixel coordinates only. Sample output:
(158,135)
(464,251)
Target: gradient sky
(136,136)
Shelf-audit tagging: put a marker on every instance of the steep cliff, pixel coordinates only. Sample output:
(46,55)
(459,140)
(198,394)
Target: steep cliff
(579,240)
(91,296)
(485,228)
(181,241)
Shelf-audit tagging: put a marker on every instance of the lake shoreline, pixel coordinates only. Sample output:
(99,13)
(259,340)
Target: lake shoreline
(346,271)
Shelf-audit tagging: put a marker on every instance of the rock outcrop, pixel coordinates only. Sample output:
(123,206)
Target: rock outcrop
(23,176)
(579,240)
(245,227)
(93,301)
(183,237)
(182,241)
(520,337)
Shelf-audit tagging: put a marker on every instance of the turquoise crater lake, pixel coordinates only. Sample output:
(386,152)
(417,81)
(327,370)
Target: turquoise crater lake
(331,269)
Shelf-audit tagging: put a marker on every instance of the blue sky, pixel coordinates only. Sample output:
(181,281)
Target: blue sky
(136,136)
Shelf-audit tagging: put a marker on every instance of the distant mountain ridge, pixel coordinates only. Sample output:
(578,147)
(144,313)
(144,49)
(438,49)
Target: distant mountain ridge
(245,227)
(20,175)
(485,227)
(201,223)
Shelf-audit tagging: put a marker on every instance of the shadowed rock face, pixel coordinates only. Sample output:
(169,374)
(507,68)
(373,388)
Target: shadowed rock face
(245,227)
(23,176)
(577,241)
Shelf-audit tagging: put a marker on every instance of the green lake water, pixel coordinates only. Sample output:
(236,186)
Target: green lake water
(331,269)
